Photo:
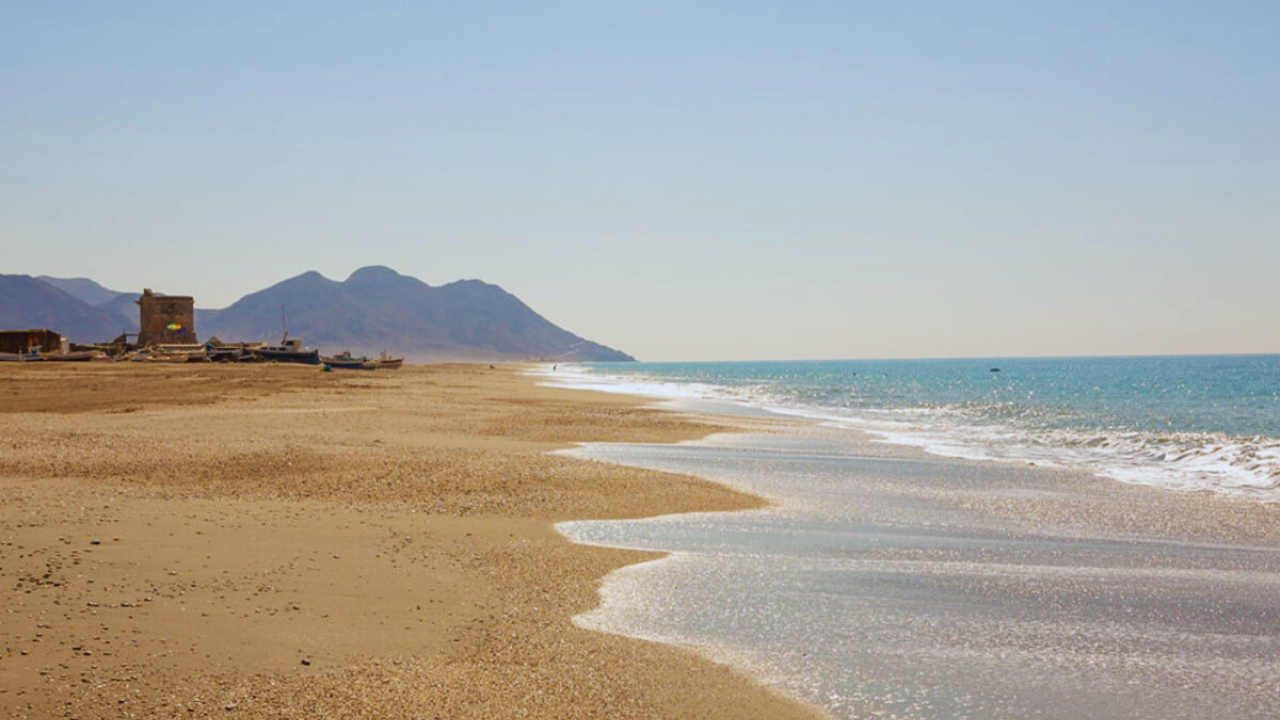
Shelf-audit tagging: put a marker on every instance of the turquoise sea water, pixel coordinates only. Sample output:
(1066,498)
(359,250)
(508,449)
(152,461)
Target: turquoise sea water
(890,583)
(1188,423)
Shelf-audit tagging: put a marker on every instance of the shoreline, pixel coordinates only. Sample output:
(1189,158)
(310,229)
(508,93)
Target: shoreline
(1145,564)
(1234,456)
(182,539)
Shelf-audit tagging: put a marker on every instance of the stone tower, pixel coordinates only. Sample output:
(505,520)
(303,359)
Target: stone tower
(166,319)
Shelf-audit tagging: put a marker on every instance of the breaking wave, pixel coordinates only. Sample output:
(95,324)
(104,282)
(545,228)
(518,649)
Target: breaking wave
(1063,437)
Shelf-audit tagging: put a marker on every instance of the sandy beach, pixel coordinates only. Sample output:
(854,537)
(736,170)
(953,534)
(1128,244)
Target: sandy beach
(272,541)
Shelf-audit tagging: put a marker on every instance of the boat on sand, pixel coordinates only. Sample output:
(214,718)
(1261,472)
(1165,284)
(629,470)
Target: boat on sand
(81,356)
(345,361)
(289,350)
(224,354)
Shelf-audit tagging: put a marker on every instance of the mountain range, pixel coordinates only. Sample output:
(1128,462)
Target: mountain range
(375,309)
(27,302)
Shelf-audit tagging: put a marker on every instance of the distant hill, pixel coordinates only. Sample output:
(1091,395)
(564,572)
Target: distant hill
(87,290)
(375,309)
(26,302)
(125,306)
(122,304)
(379,309)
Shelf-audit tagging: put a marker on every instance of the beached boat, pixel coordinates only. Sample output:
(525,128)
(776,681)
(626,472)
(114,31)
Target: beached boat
(19,357)
(289,350)
(159,357)
(82,356)
(386,362)
(224,354)
(344,361)
(357,366)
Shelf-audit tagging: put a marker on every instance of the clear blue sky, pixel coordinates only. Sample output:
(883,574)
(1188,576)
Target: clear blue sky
(680,180)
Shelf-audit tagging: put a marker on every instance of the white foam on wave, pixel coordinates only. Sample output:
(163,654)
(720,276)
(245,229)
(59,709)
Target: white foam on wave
(1183,461)
(579,378)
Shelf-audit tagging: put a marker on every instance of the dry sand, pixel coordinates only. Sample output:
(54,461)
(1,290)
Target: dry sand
(276,542)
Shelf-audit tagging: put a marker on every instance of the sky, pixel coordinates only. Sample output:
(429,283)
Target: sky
(682,181)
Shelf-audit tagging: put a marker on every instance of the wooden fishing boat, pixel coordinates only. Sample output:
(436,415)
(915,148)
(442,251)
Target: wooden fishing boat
(289,350)
(386,362)
(344,361)
(224,354)
(81,356)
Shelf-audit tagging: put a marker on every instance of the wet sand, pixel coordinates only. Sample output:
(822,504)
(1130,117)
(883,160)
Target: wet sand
(895,584)
(274,542)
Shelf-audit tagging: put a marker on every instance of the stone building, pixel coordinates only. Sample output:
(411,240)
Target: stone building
(166,319)
(21,342)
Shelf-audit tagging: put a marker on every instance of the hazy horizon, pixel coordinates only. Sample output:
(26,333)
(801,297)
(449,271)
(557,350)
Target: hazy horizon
(725,181)
(200,306)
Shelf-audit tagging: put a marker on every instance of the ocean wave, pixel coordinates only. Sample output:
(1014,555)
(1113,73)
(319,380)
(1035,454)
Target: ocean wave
(1183,461)
(1187,461)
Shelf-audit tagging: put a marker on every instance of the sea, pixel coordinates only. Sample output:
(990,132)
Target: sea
(968,539)
(1183,423)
